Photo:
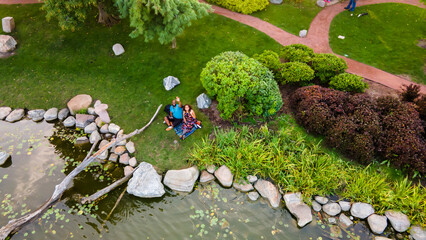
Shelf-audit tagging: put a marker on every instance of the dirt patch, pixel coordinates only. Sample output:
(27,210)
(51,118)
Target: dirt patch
(422,43)
(214,116)
(376,90)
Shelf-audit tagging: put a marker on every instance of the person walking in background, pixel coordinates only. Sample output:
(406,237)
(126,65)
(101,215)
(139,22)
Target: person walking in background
(351,6)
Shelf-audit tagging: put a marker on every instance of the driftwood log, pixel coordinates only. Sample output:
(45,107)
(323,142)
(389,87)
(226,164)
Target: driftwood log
(14,225)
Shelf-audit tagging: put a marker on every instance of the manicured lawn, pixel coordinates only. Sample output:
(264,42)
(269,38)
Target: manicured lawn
(386,38)
(51,66)
(290,16)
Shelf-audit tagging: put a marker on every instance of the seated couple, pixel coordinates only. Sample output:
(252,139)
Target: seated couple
(178,115)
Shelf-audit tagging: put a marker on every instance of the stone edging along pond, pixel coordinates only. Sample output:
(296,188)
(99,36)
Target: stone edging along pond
(147,183)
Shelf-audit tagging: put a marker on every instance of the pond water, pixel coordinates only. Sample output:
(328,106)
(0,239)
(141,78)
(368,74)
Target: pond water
(43,153)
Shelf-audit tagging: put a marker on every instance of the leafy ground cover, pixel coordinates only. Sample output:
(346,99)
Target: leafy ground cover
(51,66)
(386,38)
(290,16)
(296,161)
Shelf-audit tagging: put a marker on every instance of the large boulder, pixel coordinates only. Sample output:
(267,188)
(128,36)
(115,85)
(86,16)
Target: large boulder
(83,120)
(203,101)
(118,49)
(298,208)
(398,220)
(361,210)
(69,121)
(51,114)
(146,182)
(3,157)
(224,175)
(377,223)
(8,24)
(79,102)
(332,209)
(7,44)
(170,82)
(418,233)
(269,191)
(36,114)
(63,113)
(4,111)
(206,177)
(181,180)
(15,115)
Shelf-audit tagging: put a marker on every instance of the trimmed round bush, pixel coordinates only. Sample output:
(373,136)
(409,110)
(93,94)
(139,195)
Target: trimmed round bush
(242,86)
(348,82)
(327,65)
(297,53)
(296,72)
(269,59)
(242,6)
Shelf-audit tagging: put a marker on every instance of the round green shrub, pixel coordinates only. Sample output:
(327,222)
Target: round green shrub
(327,65)
(269,59)
(348,82)
(242,86)
(242,6)
(297,53)
(296,72)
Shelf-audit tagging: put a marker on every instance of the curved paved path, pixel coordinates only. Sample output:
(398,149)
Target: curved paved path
(317,38)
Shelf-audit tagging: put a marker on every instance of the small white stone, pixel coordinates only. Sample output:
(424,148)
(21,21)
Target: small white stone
(118,49)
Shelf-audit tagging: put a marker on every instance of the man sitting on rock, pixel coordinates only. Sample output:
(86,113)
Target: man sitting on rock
(175,114)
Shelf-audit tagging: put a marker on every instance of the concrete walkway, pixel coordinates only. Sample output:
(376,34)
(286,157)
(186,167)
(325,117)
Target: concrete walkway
(317,38)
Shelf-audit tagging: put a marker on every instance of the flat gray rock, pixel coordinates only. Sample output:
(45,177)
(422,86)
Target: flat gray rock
(298,208)
(133,162)
(103,155)
(269,191)
(4,111)
(211,169)
(78,103)
(124,159)
(91,111)
(8,24)
(82,120)
(128,170)
(361,210)
(253,196)
(377,223)
(277,2)
(81,140)
(63,113)
(332,209)
(7,44)
(69,121)
(321,200)
(113,128)
(332,220)
(381,238)
(3,157)
(104,129)
(51,114)
(170,82)
(320,3)
(203,101)
(345,221)
(345,205)
(36,115)
(316,206)
(90,128)
(251,178)
(119,150)
(118,49)
(94,137)
(146,182)
(113,157)
(224,175)
(104,116)
(243,186)
(418,233)
(206,177)
(130,146)
(398,220)
(15,115)
(181,180)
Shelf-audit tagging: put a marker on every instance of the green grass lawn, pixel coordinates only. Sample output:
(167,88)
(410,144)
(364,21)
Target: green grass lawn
(290,16)
(386,38)
(51,66)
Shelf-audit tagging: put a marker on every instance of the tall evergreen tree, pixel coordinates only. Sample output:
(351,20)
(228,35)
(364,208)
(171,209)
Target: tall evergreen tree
(161,19)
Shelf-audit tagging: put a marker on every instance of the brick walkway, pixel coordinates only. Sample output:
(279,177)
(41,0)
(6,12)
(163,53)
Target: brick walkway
(317,37)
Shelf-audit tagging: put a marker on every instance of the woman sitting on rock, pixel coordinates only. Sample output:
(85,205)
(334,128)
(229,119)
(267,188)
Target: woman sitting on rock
(189,120)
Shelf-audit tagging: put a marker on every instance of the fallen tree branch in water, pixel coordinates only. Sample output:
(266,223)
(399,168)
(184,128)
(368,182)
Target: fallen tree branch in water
(15,224)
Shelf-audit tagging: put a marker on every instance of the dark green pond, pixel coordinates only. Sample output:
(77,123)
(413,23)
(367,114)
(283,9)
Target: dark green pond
(42,154)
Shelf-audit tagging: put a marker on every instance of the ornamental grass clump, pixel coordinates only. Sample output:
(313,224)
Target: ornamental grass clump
(242,86)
